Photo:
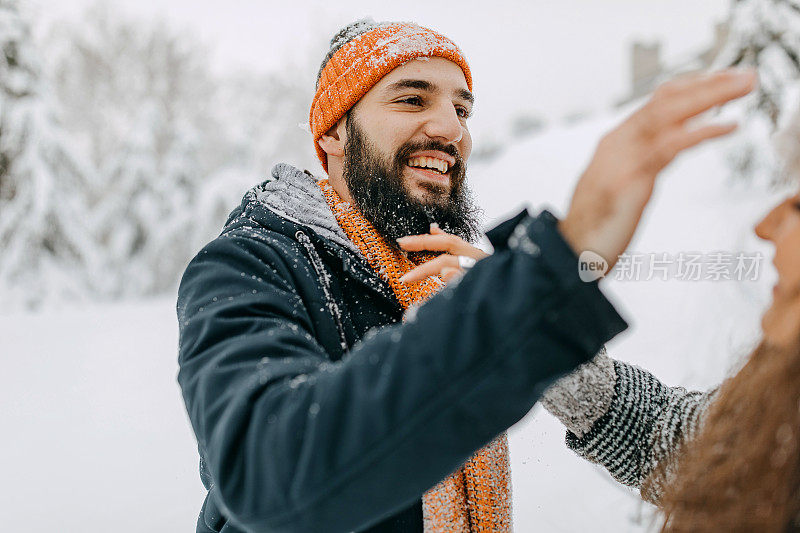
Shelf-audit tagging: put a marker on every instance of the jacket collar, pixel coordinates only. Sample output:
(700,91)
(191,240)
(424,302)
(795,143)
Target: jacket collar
(294,195)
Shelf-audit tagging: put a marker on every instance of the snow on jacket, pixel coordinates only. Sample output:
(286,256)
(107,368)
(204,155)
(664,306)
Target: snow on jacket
(315,409)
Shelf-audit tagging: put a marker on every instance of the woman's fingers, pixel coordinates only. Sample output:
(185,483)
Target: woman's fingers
(431,268)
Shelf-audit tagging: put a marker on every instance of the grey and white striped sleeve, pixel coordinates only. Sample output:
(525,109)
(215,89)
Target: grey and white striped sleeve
(624,419)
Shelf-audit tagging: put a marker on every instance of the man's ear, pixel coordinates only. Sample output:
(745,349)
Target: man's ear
(332,141)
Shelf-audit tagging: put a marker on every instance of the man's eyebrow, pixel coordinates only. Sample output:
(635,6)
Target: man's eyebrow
(427,86)
(412,84)
(465,95)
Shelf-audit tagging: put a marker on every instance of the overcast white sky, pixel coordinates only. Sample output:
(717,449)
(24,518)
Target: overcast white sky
(548,57)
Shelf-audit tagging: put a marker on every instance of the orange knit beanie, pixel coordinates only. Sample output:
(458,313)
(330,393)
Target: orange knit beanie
(363,53)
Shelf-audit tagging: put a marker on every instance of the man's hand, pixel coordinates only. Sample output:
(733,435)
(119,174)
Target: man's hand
(612,193)
(447,264)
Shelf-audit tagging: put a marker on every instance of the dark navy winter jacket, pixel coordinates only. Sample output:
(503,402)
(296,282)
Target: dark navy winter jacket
(316,410)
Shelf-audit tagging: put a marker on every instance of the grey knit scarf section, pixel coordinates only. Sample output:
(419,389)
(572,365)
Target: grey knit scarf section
(294,195)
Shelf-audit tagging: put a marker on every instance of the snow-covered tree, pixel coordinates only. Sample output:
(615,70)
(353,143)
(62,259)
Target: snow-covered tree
(141,101)
(265,119)
(175,144)
(764,34)
(45,249)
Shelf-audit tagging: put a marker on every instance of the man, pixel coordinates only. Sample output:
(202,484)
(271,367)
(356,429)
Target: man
(316,406)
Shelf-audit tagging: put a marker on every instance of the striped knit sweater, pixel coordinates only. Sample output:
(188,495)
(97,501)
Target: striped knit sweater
(624,419)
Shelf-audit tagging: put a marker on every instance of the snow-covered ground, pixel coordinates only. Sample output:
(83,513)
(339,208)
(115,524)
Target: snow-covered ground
(95,435)
(96,439)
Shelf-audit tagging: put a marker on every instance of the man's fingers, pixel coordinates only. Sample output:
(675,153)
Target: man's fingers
(715,90)
(449,273)
(675,141)
(430,268)
(688,84)
(446,265)
(682,82)
(696,136)
(719,90)
(440,242)
(432,243)
(630,157)
(674,104)
(436,230)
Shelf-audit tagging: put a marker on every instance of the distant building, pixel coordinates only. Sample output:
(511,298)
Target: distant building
(647,68)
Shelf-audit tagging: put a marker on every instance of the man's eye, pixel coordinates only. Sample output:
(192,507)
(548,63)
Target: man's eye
(413,100)
(463,112)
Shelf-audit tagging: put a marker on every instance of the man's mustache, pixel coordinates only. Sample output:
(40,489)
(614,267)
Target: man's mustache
(456,170)
(407,149)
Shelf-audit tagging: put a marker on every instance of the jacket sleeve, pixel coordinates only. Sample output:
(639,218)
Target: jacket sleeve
(294,442)
(624,419)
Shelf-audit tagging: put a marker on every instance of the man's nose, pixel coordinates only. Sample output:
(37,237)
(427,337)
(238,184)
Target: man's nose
(444,124)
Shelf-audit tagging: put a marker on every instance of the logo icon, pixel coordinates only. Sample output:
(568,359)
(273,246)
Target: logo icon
(591,266)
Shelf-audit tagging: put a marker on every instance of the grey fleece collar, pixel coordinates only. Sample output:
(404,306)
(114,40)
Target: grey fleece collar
(295,195)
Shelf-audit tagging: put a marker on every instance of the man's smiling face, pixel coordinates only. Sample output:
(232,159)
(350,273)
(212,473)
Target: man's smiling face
(405,146)
(419,111)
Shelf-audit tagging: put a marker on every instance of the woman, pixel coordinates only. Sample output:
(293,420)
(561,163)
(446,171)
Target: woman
(741,471)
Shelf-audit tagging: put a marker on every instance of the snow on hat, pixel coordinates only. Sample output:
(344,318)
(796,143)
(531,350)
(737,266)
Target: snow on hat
(360,55)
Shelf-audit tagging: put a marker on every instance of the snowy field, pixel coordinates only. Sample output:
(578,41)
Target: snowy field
(96,438)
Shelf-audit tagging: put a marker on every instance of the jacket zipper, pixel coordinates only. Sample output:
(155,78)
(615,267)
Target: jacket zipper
(325,279)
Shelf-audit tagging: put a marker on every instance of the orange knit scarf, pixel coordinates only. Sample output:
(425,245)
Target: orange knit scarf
(477,496)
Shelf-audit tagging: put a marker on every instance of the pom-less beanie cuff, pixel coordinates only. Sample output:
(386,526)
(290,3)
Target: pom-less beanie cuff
(360,63)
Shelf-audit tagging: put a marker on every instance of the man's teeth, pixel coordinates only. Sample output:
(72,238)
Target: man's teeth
(429,162)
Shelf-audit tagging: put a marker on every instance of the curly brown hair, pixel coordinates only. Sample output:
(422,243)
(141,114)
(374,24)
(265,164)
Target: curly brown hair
(742,473)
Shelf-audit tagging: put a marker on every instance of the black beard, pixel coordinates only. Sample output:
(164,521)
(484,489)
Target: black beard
(378,191)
